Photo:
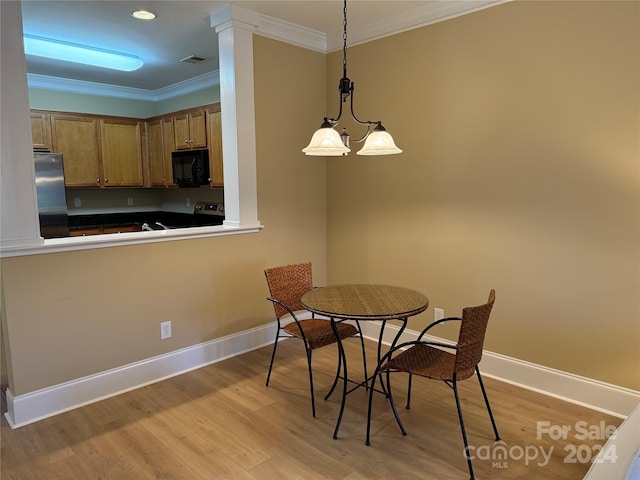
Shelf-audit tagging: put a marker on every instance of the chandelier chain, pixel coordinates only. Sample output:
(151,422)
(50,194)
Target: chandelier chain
(344,40)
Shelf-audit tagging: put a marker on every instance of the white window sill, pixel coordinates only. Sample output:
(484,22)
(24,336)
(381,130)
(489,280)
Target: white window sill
(69,244)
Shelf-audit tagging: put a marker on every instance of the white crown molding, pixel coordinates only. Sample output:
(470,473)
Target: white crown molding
(58,84)
(291,33)
(206,80)
(419,16)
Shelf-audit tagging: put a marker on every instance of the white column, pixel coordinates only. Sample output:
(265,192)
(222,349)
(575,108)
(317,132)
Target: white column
(235,26)
(19,224)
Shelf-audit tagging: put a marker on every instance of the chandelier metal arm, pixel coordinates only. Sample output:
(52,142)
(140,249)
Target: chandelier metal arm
(361,122)
(346,88)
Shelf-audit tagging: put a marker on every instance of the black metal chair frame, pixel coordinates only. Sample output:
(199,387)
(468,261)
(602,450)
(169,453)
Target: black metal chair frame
(309,350)
(453,384)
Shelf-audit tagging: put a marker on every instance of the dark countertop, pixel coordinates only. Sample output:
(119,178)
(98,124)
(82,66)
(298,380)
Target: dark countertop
(170,219)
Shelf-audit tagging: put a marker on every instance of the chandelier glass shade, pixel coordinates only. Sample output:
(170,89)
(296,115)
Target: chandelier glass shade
(326,142)
(379,142)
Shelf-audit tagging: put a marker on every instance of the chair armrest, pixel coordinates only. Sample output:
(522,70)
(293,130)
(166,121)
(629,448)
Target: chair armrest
(293,315)
(285,306)
(439,322)
(402,346)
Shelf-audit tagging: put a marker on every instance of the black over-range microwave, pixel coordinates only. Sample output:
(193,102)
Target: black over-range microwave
(190,168)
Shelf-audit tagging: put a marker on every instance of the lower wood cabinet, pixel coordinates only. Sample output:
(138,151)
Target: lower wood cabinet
(83,232)
(122,229)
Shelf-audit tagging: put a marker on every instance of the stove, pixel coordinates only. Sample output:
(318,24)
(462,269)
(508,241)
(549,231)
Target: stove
(206,213)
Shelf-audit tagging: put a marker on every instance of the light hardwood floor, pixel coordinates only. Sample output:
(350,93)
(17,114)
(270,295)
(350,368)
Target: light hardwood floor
(221,422)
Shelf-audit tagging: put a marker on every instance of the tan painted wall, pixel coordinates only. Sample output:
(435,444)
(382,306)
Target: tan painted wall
(520,126)
(73,314)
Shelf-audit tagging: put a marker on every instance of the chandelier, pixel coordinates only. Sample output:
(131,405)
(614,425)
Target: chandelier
(326,141)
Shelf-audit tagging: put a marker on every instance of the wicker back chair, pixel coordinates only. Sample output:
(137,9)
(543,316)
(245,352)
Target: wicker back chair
(431,360)
(287,284)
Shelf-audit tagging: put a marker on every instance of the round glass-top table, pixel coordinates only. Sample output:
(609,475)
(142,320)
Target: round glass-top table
(363,302)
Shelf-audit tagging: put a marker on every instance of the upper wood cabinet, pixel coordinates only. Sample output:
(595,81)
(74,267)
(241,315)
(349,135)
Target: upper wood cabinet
(155,154)
(190,130)
(159,148)
(121,153)
(41,131)
(168,144)
(107,152)
(77,138)
(214,139)
(98,152)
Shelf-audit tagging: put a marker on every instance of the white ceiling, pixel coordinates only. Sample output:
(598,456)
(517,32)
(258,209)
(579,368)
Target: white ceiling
(182,28)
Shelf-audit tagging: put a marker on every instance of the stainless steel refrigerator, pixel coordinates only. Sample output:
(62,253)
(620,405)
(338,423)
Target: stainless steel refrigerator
(52,201)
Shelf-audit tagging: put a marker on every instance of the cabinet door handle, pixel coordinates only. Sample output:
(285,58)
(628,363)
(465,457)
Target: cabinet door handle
(106,180)
(97,180)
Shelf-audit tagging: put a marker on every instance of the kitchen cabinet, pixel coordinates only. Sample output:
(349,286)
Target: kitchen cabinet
(160,144)
(83,232)
(155,153)
(168,144)
(121,152)
(98,152)
(41,131)
(107,152)
(214,140)
(158,153)
(122,229)
(76,137)
(190,130)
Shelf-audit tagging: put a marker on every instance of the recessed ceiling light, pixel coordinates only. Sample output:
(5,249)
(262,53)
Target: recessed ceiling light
(143,15)
(72,52)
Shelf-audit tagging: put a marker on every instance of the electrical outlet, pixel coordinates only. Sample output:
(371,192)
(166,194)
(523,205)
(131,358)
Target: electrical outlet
(129,201)
(165,330)
(188,202)
(77,202)
(438,314)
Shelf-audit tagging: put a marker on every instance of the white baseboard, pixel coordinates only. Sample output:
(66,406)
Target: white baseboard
(594,394)
(40,404)
(33,406)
